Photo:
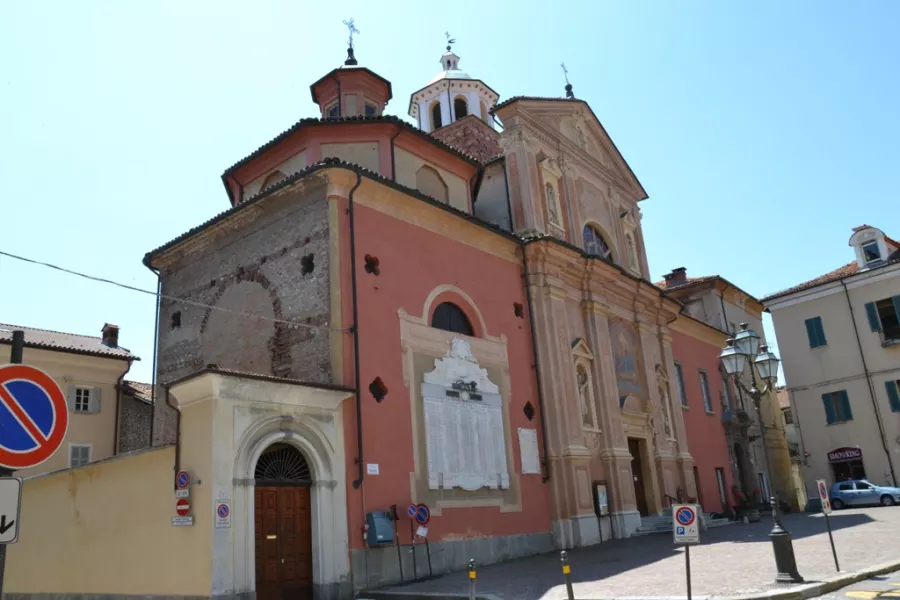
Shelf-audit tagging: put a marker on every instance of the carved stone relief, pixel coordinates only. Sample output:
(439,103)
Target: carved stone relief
(465,438)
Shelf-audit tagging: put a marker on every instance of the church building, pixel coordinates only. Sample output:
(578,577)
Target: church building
(455,314)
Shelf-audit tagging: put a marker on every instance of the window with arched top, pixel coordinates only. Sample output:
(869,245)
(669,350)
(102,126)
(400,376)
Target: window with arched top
(271,179)
(450,317)
(371,110)
(595,244)
(460,107)
(436,121)
(334,111)
(430,183)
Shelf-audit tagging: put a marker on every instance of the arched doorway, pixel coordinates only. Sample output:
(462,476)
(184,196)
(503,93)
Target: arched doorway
(283,524)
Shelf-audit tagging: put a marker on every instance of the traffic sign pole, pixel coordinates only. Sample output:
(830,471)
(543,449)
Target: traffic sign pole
(15,357)
(826,510)
(687,568)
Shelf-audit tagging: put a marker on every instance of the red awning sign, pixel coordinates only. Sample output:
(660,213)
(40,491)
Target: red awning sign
(842,454)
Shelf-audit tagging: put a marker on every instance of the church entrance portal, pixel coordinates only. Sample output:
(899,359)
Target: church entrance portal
(637,473)
(283,525)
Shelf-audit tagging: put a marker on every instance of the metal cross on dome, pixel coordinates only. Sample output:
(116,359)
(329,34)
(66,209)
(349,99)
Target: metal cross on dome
(565,71)
(352,29)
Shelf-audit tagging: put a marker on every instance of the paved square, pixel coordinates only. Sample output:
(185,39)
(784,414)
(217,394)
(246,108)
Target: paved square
(735,559)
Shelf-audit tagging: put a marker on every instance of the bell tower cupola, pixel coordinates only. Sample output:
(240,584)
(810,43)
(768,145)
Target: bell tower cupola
(451,95)
(351,90)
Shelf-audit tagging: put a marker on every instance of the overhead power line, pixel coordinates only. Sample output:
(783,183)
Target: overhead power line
(132,288)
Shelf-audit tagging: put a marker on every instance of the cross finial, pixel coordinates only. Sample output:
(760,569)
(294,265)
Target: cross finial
(569,93)
(449,40)
(351,27)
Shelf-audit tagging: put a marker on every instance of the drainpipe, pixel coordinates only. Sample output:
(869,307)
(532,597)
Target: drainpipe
(119,408)
(359,435)
(537,365)
(177,437)
(393,157)
(862,355)
(155,355)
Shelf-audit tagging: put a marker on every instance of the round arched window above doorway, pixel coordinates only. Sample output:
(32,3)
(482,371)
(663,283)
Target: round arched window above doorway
(282,463)
(450,317)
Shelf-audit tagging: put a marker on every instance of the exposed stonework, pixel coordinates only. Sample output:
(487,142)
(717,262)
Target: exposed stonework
(472,136)
(251,278)
(135,415)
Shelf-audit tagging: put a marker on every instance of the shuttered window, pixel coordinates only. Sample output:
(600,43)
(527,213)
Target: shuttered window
(837,407)
(893,394)
(815,332)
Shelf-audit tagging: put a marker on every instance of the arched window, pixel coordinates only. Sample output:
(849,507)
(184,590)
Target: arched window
(371,110)
(334,111)
(484,113)
(450,317)
(282,463)
(436,122)
(594,244)
(271,179)
(430,183)
(460,107)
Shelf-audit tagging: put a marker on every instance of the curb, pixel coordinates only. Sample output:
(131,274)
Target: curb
(792,592)
(788,592)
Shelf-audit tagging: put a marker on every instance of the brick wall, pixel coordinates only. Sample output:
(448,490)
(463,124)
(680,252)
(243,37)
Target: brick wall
(134,424)
(271,267)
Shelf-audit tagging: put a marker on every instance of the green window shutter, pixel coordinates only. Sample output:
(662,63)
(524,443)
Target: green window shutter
(829,408)
(872,313)
(893,395)
(811,333)
(820,331)
(845,404)
(95,399)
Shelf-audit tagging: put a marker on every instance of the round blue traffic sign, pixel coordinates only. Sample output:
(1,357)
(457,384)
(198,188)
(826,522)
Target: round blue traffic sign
(411,511)
(685,515)
(423,515)
(223,511)
(182,480)
(34,417)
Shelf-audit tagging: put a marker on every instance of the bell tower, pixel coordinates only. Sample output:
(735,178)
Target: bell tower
(351,90)
(451,95)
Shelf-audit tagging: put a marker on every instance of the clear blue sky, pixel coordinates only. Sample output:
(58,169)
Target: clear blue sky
(763,131)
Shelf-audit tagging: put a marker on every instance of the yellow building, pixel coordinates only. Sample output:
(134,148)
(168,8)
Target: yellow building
(106,413)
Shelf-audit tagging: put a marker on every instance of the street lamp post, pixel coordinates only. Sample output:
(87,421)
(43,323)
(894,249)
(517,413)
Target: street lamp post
(739,350)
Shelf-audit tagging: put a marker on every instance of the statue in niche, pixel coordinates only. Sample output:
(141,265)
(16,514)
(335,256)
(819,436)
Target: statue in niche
(662,383)
(550,193)
(584,396)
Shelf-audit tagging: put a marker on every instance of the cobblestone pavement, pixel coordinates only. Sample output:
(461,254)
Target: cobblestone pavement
(735,559)
(883,587)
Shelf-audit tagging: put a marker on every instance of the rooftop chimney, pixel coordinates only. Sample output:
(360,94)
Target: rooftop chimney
(110,335)
(676,277)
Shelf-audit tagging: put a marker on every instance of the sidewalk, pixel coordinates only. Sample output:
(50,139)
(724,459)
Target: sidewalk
(736,560)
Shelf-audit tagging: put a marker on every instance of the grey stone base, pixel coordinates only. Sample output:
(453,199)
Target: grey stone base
(384,566)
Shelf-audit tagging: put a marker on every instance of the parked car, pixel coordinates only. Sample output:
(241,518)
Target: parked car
(859,492)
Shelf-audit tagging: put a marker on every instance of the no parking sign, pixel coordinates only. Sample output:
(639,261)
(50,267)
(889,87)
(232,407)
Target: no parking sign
(34,416)
(223,513)
(685,525)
